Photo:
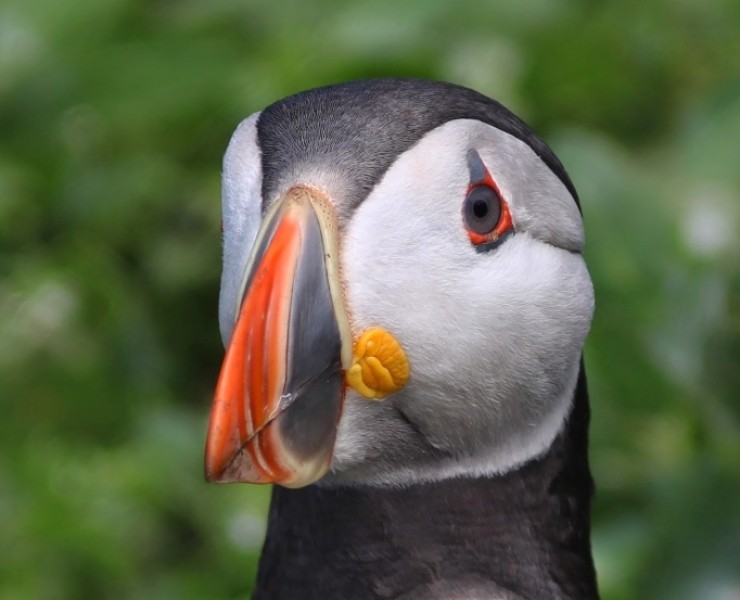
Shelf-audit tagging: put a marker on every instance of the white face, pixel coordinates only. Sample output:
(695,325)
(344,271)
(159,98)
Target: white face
(493,337)
(242,213)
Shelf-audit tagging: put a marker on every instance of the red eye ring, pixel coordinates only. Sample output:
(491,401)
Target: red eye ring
(486,214)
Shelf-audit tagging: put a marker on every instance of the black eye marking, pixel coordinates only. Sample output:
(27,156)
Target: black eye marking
(476,167)
(493,244)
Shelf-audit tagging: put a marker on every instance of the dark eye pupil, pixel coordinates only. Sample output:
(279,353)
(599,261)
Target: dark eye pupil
(482,210)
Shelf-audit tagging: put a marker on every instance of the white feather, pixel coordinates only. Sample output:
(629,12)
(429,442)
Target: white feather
(241,209)
(493,339)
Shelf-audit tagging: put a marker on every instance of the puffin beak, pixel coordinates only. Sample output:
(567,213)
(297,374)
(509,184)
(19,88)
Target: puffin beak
(281,388)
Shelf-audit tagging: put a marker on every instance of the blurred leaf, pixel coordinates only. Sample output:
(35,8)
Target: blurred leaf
(114,117)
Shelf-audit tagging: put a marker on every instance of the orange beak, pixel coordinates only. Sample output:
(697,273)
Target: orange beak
(281,389)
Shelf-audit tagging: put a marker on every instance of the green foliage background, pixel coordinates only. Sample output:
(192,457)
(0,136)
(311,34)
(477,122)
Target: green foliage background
(114,115)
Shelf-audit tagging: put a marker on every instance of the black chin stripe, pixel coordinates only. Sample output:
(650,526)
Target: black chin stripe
(358,129)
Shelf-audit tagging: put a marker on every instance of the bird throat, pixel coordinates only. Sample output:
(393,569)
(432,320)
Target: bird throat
(524,534)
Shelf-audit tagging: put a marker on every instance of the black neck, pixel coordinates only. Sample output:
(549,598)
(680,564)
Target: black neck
(520,535)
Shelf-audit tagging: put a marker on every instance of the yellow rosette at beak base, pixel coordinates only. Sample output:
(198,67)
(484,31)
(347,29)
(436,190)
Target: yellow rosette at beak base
(379,365)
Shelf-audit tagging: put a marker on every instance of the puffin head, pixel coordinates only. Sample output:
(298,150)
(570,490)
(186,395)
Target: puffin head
(425,210)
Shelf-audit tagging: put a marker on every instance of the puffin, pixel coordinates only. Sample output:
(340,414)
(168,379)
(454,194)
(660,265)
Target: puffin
(404,302)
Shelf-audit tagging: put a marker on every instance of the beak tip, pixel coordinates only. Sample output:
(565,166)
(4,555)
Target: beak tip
(229,463)
(220,452)
(211,473)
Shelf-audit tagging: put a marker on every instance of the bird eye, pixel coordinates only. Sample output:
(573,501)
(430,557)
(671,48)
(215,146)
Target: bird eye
(485,214)
(482,210)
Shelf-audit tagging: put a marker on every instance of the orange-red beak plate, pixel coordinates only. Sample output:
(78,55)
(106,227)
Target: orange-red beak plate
(281,388)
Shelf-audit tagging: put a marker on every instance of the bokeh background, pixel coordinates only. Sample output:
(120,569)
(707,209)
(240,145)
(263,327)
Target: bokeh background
(114,115)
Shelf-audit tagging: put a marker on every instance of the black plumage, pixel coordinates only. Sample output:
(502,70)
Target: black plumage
(360,128)
(524,534)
